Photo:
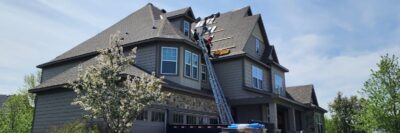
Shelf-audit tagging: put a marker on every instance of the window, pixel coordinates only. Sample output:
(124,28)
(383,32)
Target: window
(257,46)
(188,64)
(213,120)
(202,120)
(177,118)
(191,65)
(142,116)
(279,89)
(257,79)
(195,66)
(157,116)
(169,62)
(186,28)
(318,122)
(203,73)
(191,119)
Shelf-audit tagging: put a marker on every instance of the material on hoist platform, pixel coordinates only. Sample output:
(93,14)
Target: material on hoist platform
(221,52)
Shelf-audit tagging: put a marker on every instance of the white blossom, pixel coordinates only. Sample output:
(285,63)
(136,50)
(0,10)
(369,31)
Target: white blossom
(102,93)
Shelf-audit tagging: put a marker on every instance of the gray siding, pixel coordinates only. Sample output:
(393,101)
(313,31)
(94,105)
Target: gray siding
(276,70)
(250,47)
(180,78)
(178,23)
(146,57)
(230,76)
(248,75)
(53,109)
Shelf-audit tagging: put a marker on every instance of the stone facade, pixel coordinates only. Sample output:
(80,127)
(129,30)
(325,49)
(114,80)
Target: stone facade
(191,103)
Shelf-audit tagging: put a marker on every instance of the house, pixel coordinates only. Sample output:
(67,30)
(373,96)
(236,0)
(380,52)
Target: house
(251,76)
(3,99)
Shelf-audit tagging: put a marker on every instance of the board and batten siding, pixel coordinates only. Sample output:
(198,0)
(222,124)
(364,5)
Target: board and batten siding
(248,75)
(53,108)
(230,76)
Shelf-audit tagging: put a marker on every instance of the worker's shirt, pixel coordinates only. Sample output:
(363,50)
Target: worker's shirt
(209,39)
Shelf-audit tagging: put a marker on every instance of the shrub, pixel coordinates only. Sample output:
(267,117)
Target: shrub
(75,127)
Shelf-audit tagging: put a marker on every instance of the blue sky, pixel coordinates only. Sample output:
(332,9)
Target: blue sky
(331,44)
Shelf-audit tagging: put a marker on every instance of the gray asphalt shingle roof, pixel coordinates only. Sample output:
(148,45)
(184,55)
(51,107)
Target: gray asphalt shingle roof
(236,25)
(138,26)
(178,12)
(302,93)
(73,73)
(233,29)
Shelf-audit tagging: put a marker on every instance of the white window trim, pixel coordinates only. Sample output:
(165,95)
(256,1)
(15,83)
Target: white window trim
(186,27)
(257,46)
(281,90)
(190,64)
(195,66)
(176,61)
(259,86)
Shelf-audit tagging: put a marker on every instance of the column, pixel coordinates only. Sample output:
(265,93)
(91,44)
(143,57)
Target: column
(273,114)
(292,119)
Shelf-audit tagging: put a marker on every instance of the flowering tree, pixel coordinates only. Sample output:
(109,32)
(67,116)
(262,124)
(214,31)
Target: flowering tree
(106,94)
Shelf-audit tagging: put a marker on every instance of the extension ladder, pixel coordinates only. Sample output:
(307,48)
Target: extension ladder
(222,106)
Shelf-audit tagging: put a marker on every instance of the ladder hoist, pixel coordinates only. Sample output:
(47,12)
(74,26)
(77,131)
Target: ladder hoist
(222,105)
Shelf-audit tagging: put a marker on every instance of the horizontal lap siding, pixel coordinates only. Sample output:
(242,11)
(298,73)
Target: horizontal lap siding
(248,75)
(54,109)
(230,76)
(146,58)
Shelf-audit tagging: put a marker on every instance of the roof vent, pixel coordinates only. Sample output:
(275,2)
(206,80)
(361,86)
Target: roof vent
(154,25)
(163,11)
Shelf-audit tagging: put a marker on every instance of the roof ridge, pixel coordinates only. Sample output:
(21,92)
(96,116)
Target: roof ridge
(292,87)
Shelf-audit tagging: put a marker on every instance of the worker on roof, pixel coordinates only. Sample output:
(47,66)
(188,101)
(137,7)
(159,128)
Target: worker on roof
(209,44)
(195,36)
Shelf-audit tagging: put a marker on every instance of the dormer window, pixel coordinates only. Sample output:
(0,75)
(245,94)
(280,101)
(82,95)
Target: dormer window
(186,28)
(257,46)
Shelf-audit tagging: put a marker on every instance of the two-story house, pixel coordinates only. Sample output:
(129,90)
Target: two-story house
(252,79)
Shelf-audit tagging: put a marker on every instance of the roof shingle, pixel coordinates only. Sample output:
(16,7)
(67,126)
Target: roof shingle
(137,26)
(302,93)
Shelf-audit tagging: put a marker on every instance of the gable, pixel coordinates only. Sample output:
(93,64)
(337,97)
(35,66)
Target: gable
(257,32)
(304,94)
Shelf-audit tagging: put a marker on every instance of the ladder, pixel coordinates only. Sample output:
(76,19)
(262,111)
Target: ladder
(222,106)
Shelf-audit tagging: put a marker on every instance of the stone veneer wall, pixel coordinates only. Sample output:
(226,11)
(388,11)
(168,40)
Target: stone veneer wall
(191,103)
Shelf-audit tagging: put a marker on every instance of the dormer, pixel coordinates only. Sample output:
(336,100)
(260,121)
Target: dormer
(181,19)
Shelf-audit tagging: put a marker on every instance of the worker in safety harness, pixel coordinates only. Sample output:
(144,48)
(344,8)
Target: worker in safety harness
(209,44)
(195,36)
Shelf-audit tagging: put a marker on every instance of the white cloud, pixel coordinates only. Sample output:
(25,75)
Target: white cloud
(329,73)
